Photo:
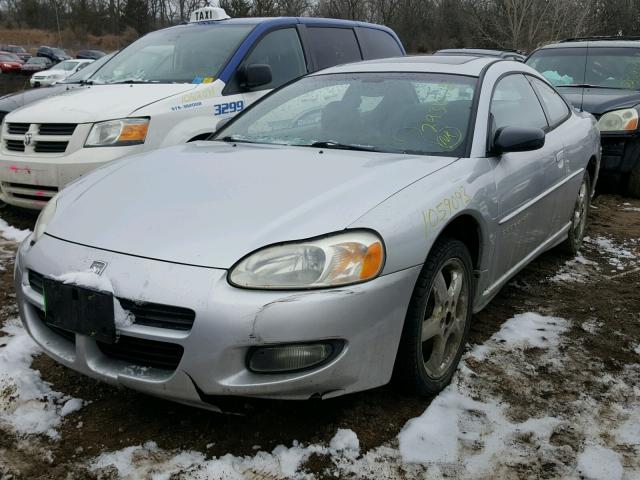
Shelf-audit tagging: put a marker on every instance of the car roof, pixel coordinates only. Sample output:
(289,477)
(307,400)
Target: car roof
(477,51)
(594,42)
(275,21)
(456,64)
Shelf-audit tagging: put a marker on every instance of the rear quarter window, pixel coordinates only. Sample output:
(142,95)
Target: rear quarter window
(378,44)
(333,46)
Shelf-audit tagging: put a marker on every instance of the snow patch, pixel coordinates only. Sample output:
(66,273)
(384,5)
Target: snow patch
(28,405)
(578,269)
(525,330)
(88,279)
(12,233)
(619,256)
(600,463)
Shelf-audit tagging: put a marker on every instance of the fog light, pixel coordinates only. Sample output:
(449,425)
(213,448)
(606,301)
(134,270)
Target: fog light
(291,358)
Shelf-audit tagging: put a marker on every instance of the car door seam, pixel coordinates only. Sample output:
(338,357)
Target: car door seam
(536,199)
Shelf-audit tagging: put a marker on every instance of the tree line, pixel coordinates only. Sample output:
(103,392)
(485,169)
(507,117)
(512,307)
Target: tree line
(423,25)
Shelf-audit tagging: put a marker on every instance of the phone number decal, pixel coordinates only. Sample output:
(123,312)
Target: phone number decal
(445,209)
(231,107)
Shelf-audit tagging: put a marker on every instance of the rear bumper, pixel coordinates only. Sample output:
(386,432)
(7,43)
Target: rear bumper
(228,322)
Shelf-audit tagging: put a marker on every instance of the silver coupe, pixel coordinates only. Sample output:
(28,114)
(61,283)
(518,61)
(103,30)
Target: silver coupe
(337,234)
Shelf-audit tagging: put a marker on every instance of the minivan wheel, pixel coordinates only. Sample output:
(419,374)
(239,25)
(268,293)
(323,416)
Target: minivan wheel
(438,319)
(573,243)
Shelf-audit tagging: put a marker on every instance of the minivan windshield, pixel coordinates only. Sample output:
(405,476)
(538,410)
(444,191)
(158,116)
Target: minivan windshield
(418,113)
(67,65)
(606,67)
(182,54)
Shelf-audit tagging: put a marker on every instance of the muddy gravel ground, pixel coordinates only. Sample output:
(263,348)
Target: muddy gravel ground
(588,385)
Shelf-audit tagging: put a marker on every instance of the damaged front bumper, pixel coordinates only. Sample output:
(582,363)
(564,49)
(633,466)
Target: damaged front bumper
(206,359)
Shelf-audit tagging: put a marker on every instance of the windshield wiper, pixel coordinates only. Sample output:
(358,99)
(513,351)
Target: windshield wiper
(589,85)
(233,139)
(342,146)
(128,80)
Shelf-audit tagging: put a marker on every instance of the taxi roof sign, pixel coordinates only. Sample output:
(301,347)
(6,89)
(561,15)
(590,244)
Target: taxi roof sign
(209,13)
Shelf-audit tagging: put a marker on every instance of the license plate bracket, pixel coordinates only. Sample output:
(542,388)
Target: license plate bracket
(80,310)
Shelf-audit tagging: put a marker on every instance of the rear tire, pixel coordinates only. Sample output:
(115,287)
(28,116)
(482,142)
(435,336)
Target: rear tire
(438,319)
(579,218)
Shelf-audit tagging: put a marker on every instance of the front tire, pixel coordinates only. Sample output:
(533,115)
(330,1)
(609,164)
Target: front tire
(437,324)
(579,217)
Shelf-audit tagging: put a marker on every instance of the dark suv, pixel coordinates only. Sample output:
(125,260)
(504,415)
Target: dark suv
(602,76)
(56,55)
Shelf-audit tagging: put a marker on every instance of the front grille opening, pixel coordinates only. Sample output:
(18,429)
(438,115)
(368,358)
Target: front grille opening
(143,352)
(160,316)
(18,128)
(15,145)
(65,129)
(50,147)
(33,187)
(35,198)
(148,314)
(66,334)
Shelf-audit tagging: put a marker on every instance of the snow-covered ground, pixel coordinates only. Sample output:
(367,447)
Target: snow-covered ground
(468,431)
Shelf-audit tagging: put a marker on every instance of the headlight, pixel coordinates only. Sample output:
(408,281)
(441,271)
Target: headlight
(619,121)
(45,217)
(337,259)
(115,133)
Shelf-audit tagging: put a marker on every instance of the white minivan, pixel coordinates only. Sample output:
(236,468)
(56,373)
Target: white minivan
(169,87)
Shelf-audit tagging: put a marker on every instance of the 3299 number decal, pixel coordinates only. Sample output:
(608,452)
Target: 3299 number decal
(231,107)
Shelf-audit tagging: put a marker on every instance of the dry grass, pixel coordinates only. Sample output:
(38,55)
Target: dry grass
(70,40)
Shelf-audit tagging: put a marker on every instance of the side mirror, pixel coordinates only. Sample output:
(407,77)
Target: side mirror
(256,75)
(518,139)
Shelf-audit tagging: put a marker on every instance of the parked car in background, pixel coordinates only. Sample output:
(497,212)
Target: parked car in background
(17,50)
(36,64)
(170,87)
(10,102)
(484,52)
(90,54)
(602,76)
(56,55)
(10,63)
(342,230)
(58,72)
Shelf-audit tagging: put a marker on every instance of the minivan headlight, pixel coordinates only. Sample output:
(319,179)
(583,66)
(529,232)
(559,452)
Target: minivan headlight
(334,260)
(44,218)
(623,120)
(116,133)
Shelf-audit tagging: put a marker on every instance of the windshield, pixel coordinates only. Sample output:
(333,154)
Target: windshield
(90,69)
(8,58)
(59,51)
(66,66)
(175,55)
(14,49)
(37,60)
(417,113)
(606,67)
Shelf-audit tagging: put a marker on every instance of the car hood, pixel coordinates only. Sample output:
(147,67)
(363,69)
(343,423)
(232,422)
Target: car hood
(600,100)
(97,102)
(209,203)
(10,102)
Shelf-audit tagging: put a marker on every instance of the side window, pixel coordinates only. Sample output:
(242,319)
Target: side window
(557,109)
(282,51)
(378,44)
(333,46)
(514,104)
